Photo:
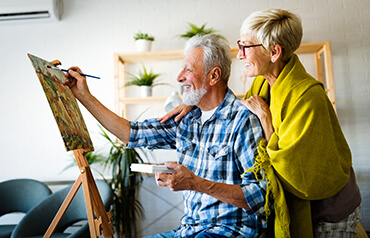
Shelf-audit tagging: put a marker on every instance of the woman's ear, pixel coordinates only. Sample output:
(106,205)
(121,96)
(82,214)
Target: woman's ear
(276,52)
(214,75)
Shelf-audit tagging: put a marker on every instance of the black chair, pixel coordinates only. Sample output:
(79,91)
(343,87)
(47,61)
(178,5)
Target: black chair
(36,222)
(20,195)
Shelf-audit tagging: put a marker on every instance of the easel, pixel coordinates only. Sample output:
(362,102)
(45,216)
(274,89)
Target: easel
(93,202)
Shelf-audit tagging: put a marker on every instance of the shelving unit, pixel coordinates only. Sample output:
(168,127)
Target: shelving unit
(323,62)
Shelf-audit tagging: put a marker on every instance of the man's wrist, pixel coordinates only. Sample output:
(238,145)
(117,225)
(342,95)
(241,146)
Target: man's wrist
(201,185)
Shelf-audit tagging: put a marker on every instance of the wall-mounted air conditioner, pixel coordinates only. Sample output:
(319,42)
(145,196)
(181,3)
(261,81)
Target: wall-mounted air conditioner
(12,10)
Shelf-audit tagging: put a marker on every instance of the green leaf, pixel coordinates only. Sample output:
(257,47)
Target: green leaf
(143,78)
(143,36)
(194,30)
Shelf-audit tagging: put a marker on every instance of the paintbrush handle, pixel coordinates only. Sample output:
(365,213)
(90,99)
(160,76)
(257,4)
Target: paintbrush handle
(86,75)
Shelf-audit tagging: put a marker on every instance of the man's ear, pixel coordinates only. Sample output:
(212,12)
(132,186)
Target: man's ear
(276,52)
(215,76)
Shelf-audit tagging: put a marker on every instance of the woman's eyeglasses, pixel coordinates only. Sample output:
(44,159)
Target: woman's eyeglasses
(243,47)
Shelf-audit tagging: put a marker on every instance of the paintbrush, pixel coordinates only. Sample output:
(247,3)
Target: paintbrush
(64,70)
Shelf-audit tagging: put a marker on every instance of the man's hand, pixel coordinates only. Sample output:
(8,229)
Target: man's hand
(182,179)
(77,83)
(181,110)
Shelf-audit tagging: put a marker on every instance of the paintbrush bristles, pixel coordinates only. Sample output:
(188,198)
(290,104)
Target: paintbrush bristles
(51,67)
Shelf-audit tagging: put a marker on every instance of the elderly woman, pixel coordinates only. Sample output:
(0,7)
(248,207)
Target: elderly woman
(304,142)
(305,155)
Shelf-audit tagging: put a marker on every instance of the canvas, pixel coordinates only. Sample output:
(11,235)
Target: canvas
(63,105)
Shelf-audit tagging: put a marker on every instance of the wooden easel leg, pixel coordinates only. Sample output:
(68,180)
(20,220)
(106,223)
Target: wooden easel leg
(63,208)
(98,207)
(89,207)
(93,202)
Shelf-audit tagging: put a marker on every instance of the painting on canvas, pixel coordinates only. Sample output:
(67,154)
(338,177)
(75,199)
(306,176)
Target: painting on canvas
(63,105)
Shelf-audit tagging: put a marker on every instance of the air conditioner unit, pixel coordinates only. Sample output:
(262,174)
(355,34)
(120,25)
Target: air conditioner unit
(12,10)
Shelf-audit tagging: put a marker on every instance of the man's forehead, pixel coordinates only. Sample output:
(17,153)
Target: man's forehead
(194,57)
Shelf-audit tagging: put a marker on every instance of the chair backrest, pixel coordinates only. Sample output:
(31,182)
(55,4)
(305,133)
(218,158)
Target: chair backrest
(20,195)
(38,219)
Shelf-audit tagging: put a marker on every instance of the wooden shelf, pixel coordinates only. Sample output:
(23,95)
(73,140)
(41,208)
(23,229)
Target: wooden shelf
(151,56)
(321,51)
(142,100)
(179,54)
(130,101)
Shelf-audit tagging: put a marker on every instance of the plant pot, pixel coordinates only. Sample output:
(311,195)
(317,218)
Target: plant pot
(172,101)
(143,45)
(146,91)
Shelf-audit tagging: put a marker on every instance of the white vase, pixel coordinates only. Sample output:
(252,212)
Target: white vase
(146,91)
(143,45)
(172,101)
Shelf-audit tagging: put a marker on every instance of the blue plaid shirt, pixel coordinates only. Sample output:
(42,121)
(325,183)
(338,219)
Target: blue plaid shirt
(220,150)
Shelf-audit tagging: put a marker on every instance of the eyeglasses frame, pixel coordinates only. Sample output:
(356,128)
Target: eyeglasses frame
(243,47)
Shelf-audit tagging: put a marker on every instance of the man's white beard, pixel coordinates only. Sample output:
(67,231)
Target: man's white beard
(194,96)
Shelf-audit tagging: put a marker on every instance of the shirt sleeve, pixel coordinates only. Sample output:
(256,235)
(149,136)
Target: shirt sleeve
(152,134)
(246,143)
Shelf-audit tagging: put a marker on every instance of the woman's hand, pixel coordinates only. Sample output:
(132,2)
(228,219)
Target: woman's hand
(262,110)
(181,110)
(256,105)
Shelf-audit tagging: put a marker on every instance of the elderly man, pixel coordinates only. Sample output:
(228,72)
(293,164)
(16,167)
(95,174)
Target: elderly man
(210,141)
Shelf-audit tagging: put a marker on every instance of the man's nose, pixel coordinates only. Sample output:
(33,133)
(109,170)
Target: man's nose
(180,77)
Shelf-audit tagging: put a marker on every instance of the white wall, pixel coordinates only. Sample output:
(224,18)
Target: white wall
(92,30)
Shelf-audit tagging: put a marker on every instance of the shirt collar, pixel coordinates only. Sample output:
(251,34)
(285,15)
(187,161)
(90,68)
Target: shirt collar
(223,111)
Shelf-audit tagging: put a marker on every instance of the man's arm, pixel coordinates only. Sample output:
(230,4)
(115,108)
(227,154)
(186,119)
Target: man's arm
(117,125)
(184,179)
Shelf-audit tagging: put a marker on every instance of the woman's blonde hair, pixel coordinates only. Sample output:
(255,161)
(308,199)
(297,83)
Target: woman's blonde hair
(275,26)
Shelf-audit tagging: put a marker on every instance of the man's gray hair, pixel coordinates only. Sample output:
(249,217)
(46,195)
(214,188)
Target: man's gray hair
(216,53)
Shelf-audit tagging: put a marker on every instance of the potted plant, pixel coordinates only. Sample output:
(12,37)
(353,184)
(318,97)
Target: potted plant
(143,41)
(145,80)
(194,30)
(127,209)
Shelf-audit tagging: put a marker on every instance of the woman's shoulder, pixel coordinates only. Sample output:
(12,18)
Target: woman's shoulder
(258,87)
(309,87)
